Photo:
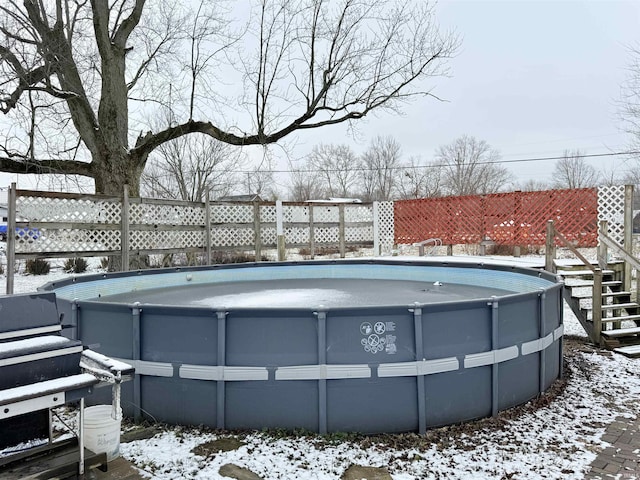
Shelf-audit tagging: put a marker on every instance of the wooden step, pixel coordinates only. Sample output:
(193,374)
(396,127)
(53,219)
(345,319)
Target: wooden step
(584,283)
(617,319)
(632,351)
(589,283)
(580,296)
(621,332)
(616,306)
(581,273)
(58,460)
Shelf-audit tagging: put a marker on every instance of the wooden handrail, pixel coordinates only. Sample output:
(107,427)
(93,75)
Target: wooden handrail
(596,294)
(628,257)
(573,249)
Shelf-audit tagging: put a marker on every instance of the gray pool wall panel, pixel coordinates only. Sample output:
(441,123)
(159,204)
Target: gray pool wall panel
(365,369)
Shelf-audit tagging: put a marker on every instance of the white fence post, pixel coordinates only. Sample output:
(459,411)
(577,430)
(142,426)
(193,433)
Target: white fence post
(282,256)
(312,234)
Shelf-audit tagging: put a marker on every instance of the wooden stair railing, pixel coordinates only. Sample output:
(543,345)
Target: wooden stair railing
(615,318)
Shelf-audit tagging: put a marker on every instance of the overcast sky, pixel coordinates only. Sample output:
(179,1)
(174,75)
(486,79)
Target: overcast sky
(532,78)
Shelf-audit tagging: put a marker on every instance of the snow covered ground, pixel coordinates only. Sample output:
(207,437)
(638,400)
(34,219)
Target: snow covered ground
(555,436)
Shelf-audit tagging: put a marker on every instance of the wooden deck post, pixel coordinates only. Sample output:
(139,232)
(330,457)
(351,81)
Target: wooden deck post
(603,251)
(550,248)
(280,238)
(207,229)
(628,234)
(597,306)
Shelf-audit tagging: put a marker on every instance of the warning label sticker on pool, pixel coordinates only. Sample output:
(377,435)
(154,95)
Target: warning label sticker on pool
(377,337)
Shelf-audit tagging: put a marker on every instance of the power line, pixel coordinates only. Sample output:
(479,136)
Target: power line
(438,165)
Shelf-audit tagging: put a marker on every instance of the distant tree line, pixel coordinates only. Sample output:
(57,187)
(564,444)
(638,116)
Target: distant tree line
(192,167)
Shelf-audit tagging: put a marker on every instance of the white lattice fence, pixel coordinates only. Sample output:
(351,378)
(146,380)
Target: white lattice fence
(67,223)
(232,225)
(385,223)
(70,224)
(611,209)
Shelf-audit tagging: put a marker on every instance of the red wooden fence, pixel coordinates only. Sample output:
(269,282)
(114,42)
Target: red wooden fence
(517,218)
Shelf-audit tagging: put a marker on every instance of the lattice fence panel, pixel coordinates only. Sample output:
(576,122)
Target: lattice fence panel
(166,214)
(327,235)
(59,220)
(69,210)
(295,214)
(232,213)
(360,234)
(611,209)
(232,237)
(49,240)
(386,226)
(166,239)
(326,214)
(269,236)
(358,213)
(267,214)
(517,218)
(232,224)
(296,235)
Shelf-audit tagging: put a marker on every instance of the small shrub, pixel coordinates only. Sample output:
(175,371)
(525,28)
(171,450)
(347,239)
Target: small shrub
(104,263)
(75,265)
(219,257)
(37,267)
(1,269)
(327,250)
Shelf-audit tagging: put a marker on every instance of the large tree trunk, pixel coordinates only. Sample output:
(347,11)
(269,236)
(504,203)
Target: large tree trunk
(112,174)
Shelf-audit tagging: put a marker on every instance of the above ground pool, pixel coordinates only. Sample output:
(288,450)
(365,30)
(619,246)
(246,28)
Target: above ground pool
(366,345)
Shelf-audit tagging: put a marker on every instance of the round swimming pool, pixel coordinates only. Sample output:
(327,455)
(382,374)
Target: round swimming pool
(341,345)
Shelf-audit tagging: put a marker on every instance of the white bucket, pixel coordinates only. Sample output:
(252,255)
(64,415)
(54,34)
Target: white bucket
(101,432)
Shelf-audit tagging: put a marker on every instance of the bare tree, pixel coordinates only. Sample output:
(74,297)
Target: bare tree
(470,167)
(417,180)
(533,185)
(260,179)
(380,166)
(610,176)
(629,102)
(94,72)
(192,167)
(631,175)
(306,185)
(336,167)
(572,171)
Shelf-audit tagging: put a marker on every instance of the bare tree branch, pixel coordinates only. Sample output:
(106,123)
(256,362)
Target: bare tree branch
(45,166)
(304,64)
